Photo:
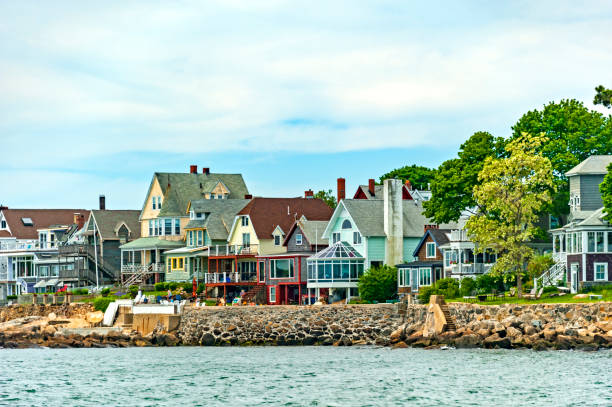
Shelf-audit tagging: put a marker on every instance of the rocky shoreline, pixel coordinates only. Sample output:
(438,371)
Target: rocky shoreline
(537,326)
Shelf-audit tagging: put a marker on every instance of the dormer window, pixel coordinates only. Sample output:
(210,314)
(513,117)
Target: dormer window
(298,239)
(3,224)
(192,215)
(277,240)
(244,220)
(27,222)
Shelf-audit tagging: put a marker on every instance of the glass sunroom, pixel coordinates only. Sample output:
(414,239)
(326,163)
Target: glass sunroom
(334,272)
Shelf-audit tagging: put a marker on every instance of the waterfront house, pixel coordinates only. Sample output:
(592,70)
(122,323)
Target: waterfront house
(375,191)
(29,256)
(365,233)
(165,215)
(582,249)
(259,229)
(209,224)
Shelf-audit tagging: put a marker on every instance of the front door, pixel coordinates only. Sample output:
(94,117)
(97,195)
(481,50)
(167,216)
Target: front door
(574,276)
(438,273)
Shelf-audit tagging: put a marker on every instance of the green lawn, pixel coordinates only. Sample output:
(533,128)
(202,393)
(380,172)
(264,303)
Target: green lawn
(568,298)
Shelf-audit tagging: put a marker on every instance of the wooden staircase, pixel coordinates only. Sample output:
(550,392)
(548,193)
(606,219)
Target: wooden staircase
(450,322)
(253,294)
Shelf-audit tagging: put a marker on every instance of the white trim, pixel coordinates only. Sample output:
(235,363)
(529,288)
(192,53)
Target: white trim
(427,250)
(595,271)
(270,288)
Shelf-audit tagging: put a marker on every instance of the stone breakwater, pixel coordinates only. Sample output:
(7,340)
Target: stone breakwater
(290,325)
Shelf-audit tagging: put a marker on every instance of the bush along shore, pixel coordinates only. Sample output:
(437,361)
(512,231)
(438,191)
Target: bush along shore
(510,326)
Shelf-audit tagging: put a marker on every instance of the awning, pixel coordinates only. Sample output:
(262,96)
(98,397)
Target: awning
(40,284)
(149,243)
(52,282)
(185,250)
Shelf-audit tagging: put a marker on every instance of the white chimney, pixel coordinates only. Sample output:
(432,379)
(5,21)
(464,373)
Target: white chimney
(393,222)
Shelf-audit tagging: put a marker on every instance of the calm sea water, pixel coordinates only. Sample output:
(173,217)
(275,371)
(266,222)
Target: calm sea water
(302,376)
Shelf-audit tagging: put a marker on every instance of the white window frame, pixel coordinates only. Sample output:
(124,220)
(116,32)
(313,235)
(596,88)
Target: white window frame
(272,268)
(356,238)
(605,278)
(244,220)
(298,239)
(427,269)
(336,237)
(277,240)
(427,246)
(272,293)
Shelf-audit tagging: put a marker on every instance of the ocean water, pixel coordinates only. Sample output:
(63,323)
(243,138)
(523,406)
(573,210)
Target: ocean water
(303,376)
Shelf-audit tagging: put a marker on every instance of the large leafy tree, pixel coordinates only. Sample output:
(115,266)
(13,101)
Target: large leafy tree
(606,194)
(328,197)
(574,133)
(452,186)
(603,96)
(512,191)
(420,177)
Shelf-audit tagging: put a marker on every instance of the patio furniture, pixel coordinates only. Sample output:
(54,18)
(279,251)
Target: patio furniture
(535,296)
(531,293)
(512,292)
(595,296)
(482,297)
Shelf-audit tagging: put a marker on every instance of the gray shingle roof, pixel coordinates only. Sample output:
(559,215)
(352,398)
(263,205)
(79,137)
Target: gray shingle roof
(186,187)
(108,221)
(369,217)
(220,216)
(595,219)
(595,164)
(313,230)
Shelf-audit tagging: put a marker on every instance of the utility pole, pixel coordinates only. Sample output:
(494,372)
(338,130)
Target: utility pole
(96,254)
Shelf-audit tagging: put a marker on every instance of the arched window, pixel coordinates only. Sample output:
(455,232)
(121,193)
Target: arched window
(346,224)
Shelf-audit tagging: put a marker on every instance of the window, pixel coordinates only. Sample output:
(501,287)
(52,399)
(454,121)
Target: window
(447,258)
(601,271)
(277,240)
(3,224)
(27,222)
(356,238)
(219,196)
(151,228)
(167,226)
(346,224)
(281,268)
(43,240)
(591,242)
(200,238)
(191,214)
(212,196)
(579,242)
(190,235)
(424,276)
(609,242)
(200,215)
(158,227)
(177,226)
(245,220)
(272,295)
(246,239)
(335,237)
(298,239)
(178,263)
(599,242)
(431,250)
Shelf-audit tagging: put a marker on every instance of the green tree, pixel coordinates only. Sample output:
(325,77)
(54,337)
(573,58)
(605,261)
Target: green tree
(606,194)
(513,190)
(378,284)
(451,188)
(603,96)
(328,197)
(574,133)
(420,177)
(539,264)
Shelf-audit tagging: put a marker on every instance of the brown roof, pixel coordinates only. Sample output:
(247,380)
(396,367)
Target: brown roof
(268,213)
(41,219)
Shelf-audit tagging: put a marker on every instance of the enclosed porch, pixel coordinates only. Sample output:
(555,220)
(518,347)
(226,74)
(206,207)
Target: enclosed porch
(142,260)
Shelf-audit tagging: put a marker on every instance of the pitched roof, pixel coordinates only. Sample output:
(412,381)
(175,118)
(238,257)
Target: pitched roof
(152,242)
(368,215)
(595,219)
(109,221)
(439,236)
(312,230)
(378,192)
(268,213)
(219,218)
(181,188)
(41,219)
(595,164)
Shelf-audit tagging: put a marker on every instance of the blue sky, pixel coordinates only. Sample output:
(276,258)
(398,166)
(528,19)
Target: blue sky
(96,97)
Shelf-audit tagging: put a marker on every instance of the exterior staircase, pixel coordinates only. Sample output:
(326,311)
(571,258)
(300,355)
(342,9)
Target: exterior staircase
(450,322)
(254,294)
(107,269)
(139,277)
(551,276)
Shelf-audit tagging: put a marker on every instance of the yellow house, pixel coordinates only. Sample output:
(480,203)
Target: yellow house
(164,218)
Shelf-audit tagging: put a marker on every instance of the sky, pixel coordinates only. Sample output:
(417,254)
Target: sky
(97,96)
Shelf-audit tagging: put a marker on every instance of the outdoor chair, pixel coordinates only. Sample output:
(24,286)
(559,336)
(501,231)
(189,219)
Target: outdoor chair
(512,292)
(159,299)
(531,293)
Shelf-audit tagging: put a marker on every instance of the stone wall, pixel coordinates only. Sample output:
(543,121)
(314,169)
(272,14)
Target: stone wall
(28,310)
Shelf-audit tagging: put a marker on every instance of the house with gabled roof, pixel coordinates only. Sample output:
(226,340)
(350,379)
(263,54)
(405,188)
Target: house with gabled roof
(29,241)
(365,233)
(582,249)
(259,229)
(375,191)
(165,215)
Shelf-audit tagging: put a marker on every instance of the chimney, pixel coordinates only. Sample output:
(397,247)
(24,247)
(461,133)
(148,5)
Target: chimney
(393,222)
(309,194)
(205,170)
(408,185)
(102,203)
(248,196)
(341,189)
(427,227)
(372,187)
(3,207)
(193,169)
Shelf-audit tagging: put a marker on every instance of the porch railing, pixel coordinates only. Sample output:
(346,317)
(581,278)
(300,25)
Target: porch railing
(230,250)
(230,277)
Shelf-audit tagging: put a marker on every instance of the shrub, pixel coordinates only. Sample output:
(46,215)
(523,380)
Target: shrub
(188,287)
(201,288)
(357,300)
(468,286)
(133,290)
(101,303)
(11,297)
(105,292)
(172,285)
(449,287)
(80,291)
(378,284)
(426,292)
(160,286)
(550,289)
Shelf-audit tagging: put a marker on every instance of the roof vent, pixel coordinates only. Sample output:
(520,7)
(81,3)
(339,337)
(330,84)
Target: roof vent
(27,221)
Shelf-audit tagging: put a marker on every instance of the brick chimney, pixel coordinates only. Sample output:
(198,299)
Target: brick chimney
(102,203)
(205,170)
(193,169)
(341,189)
(372,187)
(427,227)
(248,196)
(408,185)
(309,194)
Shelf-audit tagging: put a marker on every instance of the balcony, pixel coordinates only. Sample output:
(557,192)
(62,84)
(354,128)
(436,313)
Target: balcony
(14,245)
(459,236)
(143,268)
(233,250)
(232,277)
(478,268)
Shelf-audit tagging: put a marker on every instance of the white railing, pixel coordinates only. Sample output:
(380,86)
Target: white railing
(235,249)
(141,268)
(551,276)
(215,278)
(14,245)
(459,236)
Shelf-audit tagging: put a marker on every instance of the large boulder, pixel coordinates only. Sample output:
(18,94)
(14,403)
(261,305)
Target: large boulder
(468,341)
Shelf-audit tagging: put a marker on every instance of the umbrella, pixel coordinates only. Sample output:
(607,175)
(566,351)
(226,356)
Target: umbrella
(195,287)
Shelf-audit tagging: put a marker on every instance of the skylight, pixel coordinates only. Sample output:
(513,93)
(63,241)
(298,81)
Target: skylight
(27,222)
